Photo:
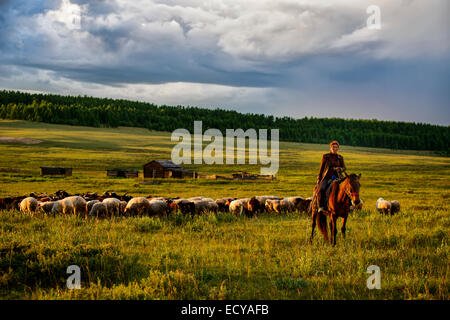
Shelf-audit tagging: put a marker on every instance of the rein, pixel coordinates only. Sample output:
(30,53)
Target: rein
(349,193)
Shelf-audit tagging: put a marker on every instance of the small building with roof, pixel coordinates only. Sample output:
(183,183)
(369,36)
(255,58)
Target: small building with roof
(166,169)
(56,171)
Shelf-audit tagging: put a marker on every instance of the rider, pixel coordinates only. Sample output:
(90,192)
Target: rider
(332,165)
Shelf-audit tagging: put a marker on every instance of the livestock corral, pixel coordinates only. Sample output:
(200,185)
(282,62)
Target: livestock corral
(212,238)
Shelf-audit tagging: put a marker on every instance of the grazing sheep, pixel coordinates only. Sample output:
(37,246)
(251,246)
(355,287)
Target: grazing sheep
(298,204)
(268,205)
(184,206)
(290,204)
(383,206)
(122,206)
(90,204)
(137,206)
(254,206)
(304,205)
(63,206)
(395,206)
(262,200)
(213,206)
(28,205)
(294,202)
(278,206)
(46,207)
(158,208)
(99,210)
(79,205)
(236,207)
(201,206)
(113,206)
(224,203)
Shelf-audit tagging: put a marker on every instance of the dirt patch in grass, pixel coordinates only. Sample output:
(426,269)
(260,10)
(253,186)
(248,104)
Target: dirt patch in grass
(18,140)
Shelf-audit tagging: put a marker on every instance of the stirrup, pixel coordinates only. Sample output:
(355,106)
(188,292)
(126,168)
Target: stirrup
(321,209)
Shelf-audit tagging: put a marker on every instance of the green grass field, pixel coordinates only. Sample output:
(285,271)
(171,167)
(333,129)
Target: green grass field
(218,256)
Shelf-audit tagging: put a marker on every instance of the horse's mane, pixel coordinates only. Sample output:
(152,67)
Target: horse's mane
(336,184)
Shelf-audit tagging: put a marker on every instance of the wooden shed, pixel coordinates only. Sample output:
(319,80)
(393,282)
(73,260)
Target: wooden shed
(165,169)
(56,171)
(123,173)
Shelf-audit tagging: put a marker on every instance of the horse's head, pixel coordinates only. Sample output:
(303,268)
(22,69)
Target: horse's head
(352,187)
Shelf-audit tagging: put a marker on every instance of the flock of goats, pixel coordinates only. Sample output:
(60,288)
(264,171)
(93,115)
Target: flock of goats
(109,204)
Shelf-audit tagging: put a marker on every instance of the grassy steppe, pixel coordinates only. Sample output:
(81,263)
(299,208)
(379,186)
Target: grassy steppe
(218,256)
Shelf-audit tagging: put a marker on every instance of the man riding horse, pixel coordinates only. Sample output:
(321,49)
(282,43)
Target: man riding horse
(331,168)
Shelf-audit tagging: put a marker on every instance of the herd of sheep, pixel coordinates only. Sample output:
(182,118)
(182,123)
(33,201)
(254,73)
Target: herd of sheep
(110,205)
(147,206)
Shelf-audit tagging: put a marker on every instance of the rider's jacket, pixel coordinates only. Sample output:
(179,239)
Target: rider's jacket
(330,161)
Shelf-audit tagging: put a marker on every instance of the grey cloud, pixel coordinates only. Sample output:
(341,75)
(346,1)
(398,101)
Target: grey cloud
(298,49)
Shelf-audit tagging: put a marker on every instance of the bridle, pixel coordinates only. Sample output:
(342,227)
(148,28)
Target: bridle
(349,193)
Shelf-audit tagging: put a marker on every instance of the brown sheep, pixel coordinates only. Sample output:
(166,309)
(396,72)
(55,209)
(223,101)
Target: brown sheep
(395,206)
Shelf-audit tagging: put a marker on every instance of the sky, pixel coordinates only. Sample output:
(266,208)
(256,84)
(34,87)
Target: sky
(314,58)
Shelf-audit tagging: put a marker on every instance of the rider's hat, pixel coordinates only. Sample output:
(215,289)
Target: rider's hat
(334,142)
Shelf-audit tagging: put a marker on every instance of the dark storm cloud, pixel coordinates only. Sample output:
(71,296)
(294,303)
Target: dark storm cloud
(298,51)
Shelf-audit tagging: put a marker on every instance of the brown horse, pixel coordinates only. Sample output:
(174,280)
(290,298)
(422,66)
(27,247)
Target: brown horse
(338,206)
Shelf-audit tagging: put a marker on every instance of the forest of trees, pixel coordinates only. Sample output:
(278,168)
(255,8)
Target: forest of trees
(104,112)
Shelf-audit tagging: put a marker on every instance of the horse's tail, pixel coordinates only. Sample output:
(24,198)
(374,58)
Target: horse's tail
(322,224)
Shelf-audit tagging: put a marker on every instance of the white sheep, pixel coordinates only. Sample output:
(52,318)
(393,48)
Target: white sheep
(213,206)
(290,204)
(158,207)
(63,206)
(201,206)
(278,205)
(79,205)
(113,206)
(99,210)
(236,207)
(383,206)
(262,199)
(137,206)
(28,205)
(90,204)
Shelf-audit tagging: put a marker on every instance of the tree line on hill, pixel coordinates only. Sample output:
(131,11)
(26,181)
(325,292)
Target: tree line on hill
(105,112)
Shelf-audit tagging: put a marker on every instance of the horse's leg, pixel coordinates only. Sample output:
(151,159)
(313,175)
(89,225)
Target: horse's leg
(333,222)
(331,229)
(344,221)
(322,224)
(314,217)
